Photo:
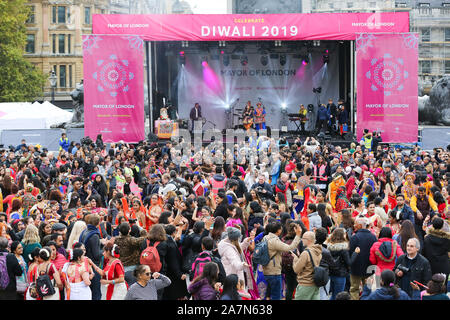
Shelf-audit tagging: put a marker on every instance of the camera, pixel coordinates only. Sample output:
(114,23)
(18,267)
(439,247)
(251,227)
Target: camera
(403,268)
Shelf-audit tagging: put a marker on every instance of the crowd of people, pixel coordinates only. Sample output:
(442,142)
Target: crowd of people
(313,221)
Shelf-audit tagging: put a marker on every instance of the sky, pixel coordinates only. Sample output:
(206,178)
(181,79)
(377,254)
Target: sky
(208,6)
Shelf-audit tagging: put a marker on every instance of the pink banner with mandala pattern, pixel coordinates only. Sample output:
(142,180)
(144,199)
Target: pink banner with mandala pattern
(387,85)
(113,69)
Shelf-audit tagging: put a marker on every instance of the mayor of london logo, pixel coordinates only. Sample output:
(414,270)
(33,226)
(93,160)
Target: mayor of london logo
(387,74)
(113,75)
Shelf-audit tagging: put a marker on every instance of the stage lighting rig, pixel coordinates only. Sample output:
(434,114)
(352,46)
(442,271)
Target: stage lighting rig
(221,44)
(317,90)
(244,60)
(282,59)
(264,60)
(226,60)
(283,106)
(326,57)
(182,57)
(204,61)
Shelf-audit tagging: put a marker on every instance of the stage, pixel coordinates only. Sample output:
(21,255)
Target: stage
(278,60)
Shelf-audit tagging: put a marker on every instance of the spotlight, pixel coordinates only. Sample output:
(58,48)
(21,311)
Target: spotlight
(184,44)
(221,43)
(264,60)
(326,58)
(277,43)
(283,106)
(282,59)
(182,57)
(244,60)
(204,61)
(226,60)
(227,106)
(305,60)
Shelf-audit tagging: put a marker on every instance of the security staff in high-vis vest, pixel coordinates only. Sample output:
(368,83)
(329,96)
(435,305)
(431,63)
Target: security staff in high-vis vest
(64,143)
(366,140)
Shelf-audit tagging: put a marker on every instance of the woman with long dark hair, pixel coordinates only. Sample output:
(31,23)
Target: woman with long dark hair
(230,291)
(406,232)
(205,286)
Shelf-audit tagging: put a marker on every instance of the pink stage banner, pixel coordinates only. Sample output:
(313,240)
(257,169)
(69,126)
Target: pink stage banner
(215,27)
(387,82)
(113,69)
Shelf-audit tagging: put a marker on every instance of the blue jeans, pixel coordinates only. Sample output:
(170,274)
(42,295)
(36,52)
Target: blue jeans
(337,285)
(274,286)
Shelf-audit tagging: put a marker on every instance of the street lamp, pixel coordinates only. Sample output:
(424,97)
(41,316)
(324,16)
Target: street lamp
(53,79)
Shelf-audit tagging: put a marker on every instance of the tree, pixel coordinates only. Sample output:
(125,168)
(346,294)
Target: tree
(20,81)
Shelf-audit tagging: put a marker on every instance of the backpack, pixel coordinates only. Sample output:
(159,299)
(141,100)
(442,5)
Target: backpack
(261,253)
(150,257)
(320,275)
(44,285)
(4,276)
(198,264)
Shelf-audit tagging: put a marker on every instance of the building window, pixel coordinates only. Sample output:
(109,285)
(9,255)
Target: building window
(61,43)
(62,76)
(70,76)
(445,8)
(447,67)
(425,34)
(424,8)
(69,43)
(400,4)
(331,5)
(60,14)
(447,34)
(349,4)
(372,4)
(31,16)
(425,66)
(54,43)
(87,15)
(30,43)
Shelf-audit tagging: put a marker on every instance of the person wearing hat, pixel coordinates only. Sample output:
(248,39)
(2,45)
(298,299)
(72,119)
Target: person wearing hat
(231,253)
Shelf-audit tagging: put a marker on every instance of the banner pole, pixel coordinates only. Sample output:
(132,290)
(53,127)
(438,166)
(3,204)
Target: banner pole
(352,87)
(149,85)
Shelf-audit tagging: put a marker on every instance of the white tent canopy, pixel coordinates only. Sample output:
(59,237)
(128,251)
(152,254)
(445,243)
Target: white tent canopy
(26,115)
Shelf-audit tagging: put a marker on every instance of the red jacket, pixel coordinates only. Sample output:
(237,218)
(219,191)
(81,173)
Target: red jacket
(377,254)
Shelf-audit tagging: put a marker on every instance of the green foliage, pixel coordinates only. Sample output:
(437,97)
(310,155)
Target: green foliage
(20,81)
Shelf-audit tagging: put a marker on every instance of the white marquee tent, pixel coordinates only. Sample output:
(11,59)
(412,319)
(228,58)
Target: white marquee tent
(26,115)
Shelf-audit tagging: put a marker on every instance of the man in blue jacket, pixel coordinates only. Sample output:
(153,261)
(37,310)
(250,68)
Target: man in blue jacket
(90,237)
(322,118)
(405,211)
(360,244)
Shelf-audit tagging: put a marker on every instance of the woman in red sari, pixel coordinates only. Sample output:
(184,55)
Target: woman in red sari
(390,191)
(154,211)
(113,282)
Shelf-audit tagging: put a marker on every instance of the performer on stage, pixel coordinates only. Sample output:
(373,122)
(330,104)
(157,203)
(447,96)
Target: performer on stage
(332,112)
(302,114)
(196,113)
(260,117)
(247,116)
